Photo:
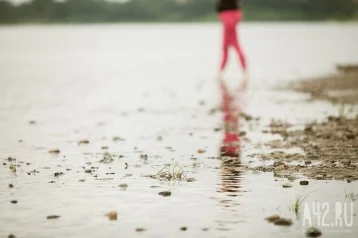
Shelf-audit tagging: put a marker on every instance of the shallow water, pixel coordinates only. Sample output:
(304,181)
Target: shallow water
(139,82)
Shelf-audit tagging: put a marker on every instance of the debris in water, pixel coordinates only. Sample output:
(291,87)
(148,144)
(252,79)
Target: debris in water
(205,229)
(123,185)
(84,141)
(165,194)
(52,217)
(82,180)
(57,174)
(126,164)
(32,122)
(313,232)
(145,157)
(287,185)
(88,171)
(107,158)
(272,218)
(283,222)
(11,185)
(104,147)
(116,138)
(13,201)
(112,215)
(304,182)
(54,151)
(184,228)
(139,229)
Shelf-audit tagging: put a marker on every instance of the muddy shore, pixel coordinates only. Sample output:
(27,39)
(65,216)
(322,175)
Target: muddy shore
(330,148)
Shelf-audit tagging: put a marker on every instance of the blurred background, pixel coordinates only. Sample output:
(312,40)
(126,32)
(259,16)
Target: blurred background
(15,11)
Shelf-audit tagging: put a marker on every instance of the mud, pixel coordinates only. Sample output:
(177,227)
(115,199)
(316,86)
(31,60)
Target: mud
(330,148)
(341,88)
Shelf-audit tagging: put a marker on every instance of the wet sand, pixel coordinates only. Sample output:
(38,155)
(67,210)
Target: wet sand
(330,148)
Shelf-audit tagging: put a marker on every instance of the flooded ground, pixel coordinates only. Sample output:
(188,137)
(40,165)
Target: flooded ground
(121,102)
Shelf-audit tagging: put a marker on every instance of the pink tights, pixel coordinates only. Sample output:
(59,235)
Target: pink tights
(229,20)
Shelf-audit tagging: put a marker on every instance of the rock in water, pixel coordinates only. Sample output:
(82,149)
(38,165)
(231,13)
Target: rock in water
(287,185)
(313,232)
(272,218)
(303,182)
(165,194)
(112,215)
(283,222)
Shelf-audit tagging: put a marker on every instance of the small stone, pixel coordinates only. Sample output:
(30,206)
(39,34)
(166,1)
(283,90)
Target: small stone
(184,228)
(280,168)
(319,177)
(283,222)
(52,217)
(349,181)
(346,162)
(88,171)
(13,201)
(84,141)
(165,194)
(11,185)
(304,182)
(287,185)
(201,151)
(32,122)
(190,180)
(123,185)
(279,163)
(139,229)
(272,218)
(54,151)
(313,232)
(112,215)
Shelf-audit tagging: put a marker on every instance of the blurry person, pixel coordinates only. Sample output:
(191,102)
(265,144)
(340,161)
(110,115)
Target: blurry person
(230,14)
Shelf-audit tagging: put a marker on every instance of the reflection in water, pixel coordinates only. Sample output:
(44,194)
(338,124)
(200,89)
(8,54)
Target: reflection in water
(230,171)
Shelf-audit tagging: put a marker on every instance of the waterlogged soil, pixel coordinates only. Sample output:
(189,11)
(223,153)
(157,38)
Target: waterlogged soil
(96,143)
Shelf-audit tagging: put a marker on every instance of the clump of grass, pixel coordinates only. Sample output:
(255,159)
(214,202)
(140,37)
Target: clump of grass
(351,195)
(342,112)
(107,158)
(296,206)
(12,167)
(171,173)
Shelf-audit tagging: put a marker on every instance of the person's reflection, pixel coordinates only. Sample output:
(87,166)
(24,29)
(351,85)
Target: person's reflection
(231,147)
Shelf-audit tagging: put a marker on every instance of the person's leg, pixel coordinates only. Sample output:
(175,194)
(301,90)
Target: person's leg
(225,39)
(235,43)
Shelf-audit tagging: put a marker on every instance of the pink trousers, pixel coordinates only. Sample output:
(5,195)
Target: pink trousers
(230,19)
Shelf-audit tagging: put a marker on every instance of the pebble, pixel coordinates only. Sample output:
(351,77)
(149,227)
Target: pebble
(313,232)
(112,215)
(88,170)
(184,228)
(283,222)
(52,217)
(165,194)
(349,181)
(287,185)
(13,201)
(280,168)
(139,229)
(84,141)
(11,185)
(272,218)
(304,182)
(279,163)
(54,151)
